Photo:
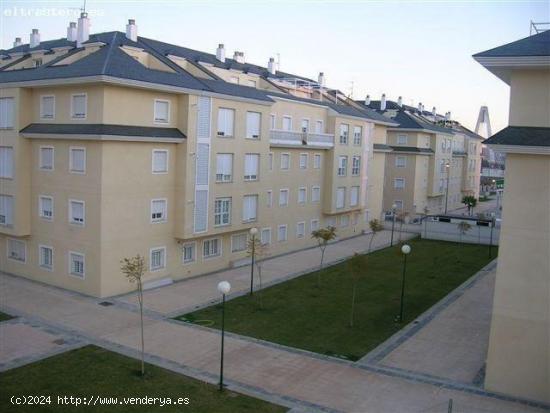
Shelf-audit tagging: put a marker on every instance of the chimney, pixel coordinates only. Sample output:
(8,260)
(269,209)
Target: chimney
(400,101)
(447,116)
(83,29)
(17,42)
(434,112)
(220,53)
(367,100)
(238,57)
(420,107)
(131,30)
(71,32)
(35,38)
(271,66)
(321,79)
(383,102)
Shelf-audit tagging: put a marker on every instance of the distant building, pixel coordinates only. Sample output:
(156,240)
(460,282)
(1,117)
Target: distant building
(492,163)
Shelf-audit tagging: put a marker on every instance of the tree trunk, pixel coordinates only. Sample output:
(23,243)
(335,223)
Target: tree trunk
(321,267)
(140,295)
(371,240)
(352,304)
(260,293)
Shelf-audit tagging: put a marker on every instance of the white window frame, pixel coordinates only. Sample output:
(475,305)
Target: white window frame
(240,234)
(158,120)
(73,117)
(164,217)
(255,217)
(273,121)
(282,156)
(342,166)
(317,161)
(306,122)
(159,172)
(42,97)
(352,202)
(285,190)
(40,159)
(338,190)
(355,170)
(395,185)
(24,260)
(224,179)
(344,224)
(71,160)
(314,227)
(70,262)
(357,142)
(10,121)
(268,230)
(221,214)
(306,157)
(285,226)
(193,259)
(398,202)
(163,257)
(71,218)
(404,163)
(219,243)
(221,133)
(304,190)
(11,163)
(269,194)
(10,213)
(402,139)
(41,264)
(344,134)
(290,123)
(320,130)
(303,234)
(258,136)
(315,188)
(270,160)
(41,209)
(249,178)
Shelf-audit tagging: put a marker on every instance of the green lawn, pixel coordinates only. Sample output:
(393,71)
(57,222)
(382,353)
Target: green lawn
(298,314)
(4,316)
(93,371)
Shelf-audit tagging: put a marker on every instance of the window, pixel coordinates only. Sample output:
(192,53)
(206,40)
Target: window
(317,161)
(45,257)
(265,236)
(340,197)
(238,242)
(344,133)
(442,165)
(287,123)
(303,161)
(344,221)
(226,120)
(160,161)
(224,167)
(251,83)
(402,139)
(355,165)
(305,126)
(270,160)
(222,211)
(162,111)
(78,106)
(331,222)
(302,195)
(6,113)
(77,265)
(285,161)
(314,225)
(282,233)
(46,159)
(398,204)
(319,127)
(45,207)
(189,252)
(76,212)
(211,248)
(37,62)
(253,121)
(283,197)
(17,250)
(401,161)
(273,121)
(6,162)
(250,208)
(443,144)
(159,210)
(399,183)
(77,160)
(300,229)
(251,166)
(6,210)
(269,200)
(47,107)
(158,258)
(357,135)
(315,193)
(342,165)
(354,196)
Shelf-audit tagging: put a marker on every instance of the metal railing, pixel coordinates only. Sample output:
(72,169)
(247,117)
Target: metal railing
(291,138)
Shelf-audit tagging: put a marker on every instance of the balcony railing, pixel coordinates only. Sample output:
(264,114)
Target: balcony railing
(296,139)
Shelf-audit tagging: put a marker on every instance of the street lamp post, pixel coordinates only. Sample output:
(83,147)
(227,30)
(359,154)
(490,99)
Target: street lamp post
(253,233)
(223,287)
(405,249)
(448,166)
(491,236)
(393,208)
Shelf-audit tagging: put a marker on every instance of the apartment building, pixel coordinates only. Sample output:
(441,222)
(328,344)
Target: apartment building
(431,162)
(518,359)
(113,145)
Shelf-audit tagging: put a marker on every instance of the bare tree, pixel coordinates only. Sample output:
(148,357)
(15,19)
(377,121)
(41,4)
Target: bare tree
(134,268)
(375,226)
(402,217)
(323,237)
(355,264)
(463,228)
(255,246)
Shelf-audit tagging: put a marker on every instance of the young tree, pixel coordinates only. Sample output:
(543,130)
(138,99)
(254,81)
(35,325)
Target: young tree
(403,217)
(375,226)
(463,228)
(355,264)
(134,268)
(470,201)
(260,251)
(323,237)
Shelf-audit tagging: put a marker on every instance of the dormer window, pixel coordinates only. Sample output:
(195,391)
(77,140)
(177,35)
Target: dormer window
(162,111)
(37,62)
(47,107)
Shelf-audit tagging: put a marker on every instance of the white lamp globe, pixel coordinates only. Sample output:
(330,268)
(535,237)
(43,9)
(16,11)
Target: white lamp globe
(406,249)
(224,287)
(394,206)
(253,231)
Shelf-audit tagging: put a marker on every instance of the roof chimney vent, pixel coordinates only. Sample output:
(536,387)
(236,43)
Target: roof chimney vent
(35,38)
(448,115)
(71,32)
(383,102)
(131,30)
(220,53)
(420,107)
(83,29)
(238,57)
(321,79)
(271,66)
(400,101)
(367,100)
(17,42)
(434,112)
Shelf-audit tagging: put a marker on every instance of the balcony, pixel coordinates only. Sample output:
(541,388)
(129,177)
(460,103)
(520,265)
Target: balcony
(291,139)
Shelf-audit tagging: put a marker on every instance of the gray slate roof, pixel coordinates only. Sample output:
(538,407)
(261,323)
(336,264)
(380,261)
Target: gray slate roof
(521,136)
(103,129)
(411,149)
(536,45)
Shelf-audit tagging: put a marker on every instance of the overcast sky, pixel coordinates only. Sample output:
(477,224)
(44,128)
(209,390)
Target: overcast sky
(420,50)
